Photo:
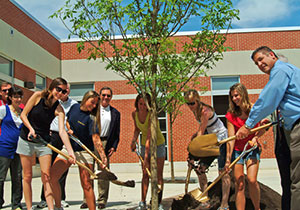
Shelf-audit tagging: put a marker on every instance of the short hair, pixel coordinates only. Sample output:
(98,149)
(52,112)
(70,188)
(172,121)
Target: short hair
(12,92)
(264,50)
(105,88)
(5,84)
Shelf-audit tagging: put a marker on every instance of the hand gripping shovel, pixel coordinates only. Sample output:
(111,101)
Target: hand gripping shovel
(202,196)
(206,145)
(39,139)
(129,183)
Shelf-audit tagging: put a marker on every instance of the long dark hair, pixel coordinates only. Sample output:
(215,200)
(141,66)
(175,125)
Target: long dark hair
(13,91)
(47,93)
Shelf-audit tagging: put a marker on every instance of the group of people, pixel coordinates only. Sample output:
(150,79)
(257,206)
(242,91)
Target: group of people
(94,122)
(97,124)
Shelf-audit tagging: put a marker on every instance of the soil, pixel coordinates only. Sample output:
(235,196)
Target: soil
(270,199)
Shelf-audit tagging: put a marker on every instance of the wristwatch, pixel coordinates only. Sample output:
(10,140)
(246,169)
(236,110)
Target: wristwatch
(246,126)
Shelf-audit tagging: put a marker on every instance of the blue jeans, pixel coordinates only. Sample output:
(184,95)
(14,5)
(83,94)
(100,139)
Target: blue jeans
(16,179)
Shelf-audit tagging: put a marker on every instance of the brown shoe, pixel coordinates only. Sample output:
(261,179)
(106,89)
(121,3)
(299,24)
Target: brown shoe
(101,206)
(83,206)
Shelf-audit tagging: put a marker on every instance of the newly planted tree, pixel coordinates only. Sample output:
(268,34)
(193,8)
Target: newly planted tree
(137,39)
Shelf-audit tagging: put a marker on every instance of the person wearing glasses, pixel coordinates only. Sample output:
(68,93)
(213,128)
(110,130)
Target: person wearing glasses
(39,112)
(208,123)
(11,124)
(5,86)
(110,136)
(66,102)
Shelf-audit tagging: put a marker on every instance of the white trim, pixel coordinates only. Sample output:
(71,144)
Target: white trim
(191,33)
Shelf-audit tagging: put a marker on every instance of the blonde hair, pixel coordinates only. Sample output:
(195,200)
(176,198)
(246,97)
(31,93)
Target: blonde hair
(245,102)
(192,95)
(95,113)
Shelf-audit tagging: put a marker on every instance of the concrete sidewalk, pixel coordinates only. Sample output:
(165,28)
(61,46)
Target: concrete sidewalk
(123,197)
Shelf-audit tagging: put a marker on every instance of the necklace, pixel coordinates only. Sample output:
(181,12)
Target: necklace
(16,111)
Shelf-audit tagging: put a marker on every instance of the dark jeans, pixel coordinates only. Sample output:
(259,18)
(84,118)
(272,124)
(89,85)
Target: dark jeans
(57,142)
(16,179)
(283,157)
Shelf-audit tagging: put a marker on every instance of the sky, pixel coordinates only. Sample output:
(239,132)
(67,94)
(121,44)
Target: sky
(253,14)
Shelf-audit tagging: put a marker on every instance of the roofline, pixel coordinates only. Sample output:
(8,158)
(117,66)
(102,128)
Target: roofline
(230,31)
(35,20)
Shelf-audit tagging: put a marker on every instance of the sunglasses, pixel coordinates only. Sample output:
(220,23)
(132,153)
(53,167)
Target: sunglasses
(5,90)
(190,103)
(59,89)
(108,95)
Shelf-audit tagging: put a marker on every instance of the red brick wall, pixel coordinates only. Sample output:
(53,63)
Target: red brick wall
(16,18)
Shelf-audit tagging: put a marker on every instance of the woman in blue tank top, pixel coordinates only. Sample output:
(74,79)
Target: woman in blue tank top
(11,124)
(40,110)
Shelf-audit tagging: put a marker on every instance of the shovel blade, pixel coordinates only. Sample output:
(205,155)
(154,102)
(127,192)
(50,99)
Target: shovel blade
(197,195)
(106,175)
(202,141)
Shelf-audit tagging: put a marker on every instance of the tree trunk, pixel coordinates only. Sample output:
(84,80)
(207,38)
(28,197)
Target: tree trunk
(171,149)
(153,162)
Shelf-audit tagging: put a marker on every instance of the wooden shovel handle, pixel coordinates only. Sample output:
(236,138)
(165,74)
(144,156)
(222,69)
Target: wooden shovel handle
(68,157)
(251,131)
(187,180)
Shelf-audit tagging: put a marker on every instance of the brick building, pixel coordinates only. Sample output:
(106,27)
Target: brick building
(30,53)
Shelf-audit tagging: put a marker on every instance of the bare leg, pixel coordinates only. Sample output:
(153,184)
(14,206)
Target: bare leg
(160,169)
(202,177)
(26,162)
(45,164)
(254,190)
(225,189)
(145,184)
(239,187)
(86,184)
(58,168)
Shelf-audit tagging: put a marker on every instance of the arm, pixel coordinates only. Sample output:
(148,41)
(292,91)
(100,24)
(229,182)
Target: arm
(205,115)
(33,100)
(230,144)
(117,135)
(99,147)
(62,132)
(135,133)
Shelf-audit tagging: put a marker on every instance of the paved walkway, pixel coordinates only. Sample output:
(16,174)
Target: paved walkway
(124,198)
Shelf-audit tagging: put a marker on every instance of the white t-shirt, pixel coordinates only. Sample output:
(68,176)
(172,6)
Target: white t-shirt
(105,120)
(15,117)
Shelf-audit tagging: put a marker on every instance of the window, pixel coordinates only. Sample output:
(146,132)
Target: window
(40,82)
(6,66)
(77,91)
(220,90)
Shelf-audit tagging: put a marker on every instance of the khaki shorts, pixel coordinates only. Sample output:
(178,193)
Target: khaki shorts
(81,156)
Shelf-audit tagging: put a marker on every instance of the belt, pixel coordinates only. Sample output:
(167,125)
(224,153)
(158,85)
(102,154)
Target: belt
(103,138)
(295,123)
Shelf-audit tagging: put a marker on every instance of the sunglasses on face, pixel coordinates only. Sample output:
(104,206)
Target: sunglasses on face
(190,103)
(5,90)
(108,95)
(59,89)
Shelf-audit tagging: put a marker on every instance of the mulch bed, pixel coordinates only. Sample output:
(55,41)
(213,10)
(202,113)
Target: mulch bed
(269,199)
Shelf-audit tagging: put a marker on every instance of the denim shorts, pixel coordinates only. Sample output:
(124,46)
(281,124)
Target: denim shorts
(29,148)
(254,155)
(160,151)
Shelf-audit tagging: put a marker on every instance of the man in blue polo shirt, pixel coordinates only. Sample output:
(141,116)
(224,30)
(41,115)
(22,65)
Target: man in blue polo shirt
(283,92)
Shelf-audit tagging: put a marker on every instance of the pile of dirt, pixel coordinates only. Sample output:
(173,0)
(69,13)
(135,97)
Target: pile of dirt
(269,199)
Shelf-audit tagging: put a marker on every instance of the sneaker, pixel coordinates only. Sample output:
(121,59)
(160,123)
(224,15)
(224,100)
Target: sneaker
(142,206)
(64,204)
(83,206)
(61,208)
(42,204)
(160,207)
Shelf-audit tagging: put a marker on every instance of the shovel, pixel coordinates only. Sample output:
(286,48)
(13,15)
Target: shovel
(201,197)
(129,183)
(210,141)
(96,175)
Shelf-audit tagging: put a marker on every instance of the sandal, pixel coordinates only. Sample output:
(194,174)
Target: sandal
(223,208)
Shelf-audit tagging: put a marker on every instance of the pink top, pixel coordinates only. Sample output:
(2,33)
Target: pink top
(238,123)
